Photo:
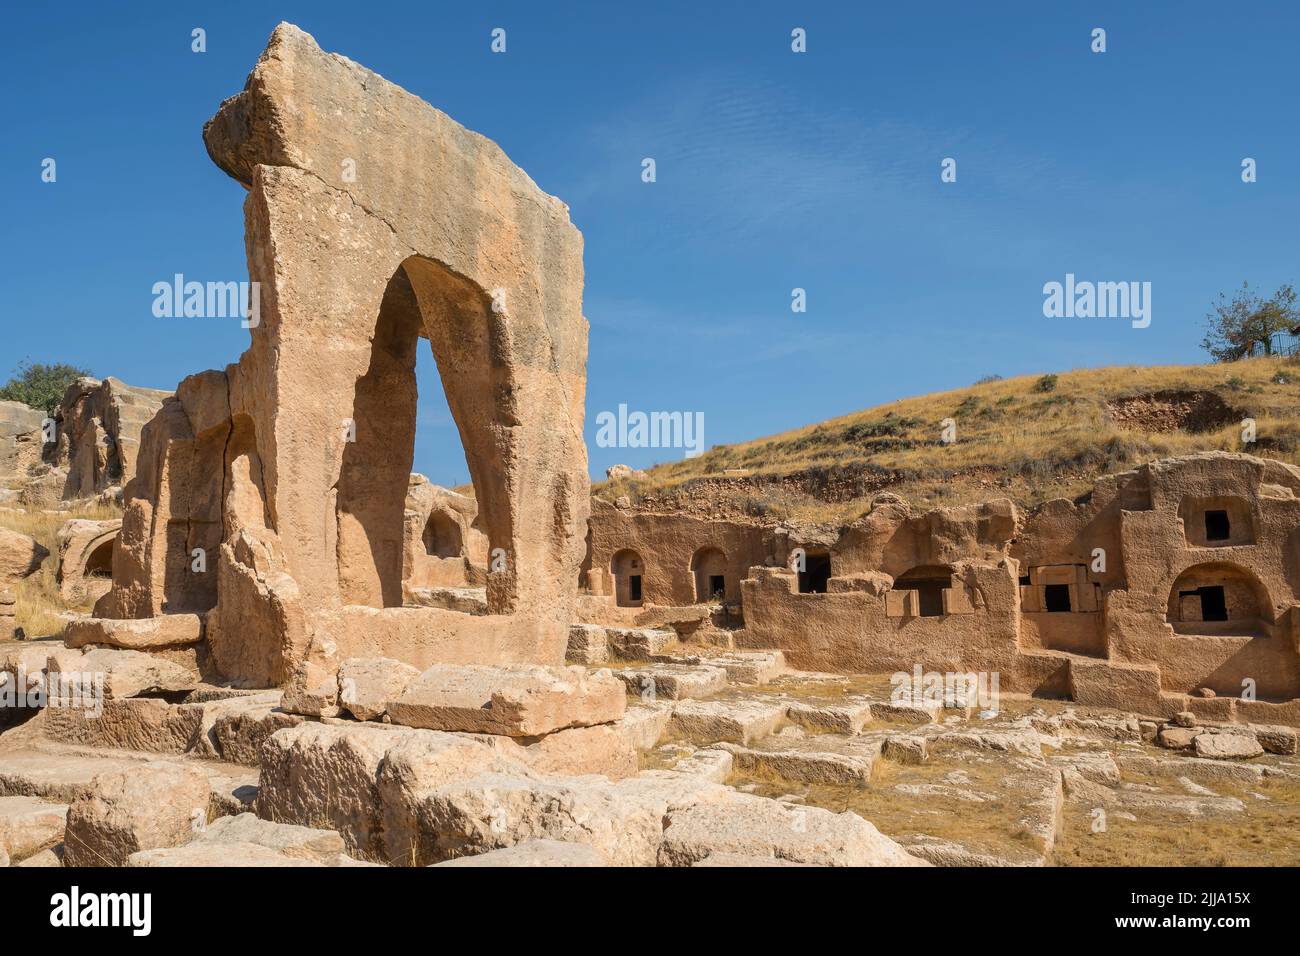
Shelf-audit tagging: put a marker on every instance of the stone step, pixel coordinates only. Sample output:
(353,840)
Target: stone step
(598,643)
(165,630)
(61,773)
(29,825)
(672,681)
(847,715)
(757,827)
(823,759)
(515,700)
(742,667)
(740,721)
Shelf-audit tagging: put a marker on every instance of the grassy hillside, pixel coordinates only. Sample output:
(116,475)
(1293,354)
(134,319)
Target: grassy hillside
(1031,439)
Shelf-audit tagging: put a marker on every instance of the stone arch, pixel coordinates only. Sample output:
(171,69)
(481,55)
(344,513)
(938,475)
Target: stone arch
(99,563)
(709,566)
(85,565)
(628,571)
(1218,593)
(424,300)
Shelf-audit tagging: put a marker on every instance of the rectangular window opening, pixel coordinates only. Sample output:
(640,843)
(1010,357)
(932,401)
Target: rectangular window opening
(1056,598)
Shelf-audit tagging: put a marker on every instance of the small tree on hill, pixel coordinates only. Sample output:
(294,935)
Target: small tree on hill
(39,385)
(1245,324)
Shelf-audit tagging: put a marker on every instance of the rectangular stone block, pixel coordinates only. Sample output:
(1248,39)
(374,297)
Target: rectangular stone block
(517,700)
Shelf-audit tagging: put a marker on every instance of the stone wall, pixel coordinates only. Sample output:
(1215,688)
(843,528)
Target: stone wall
(1180,577)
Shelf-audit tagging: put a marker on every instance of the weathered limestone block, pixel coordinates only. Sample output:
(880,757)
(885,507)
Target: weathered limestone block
(1120,687)
(1227,746)
(672,681)
(711,764)
(221,854)
(1096,767)
(645,722)
(258,634)
(905,713)
(146,724)
(1178,738)
(367,684)
(166,630)
(20,555)
(734,721)
(588,644)
(32,658)
(731,860)
(534,853)
(124,673)
(8,614)
(758,827)
(313,689)
(28,826)
(905,748)
(322,775)
(44,487)
(148,806)
(1277,740)
(623,821)
(1013,740)
(821,760)
(847,716)
(418,765)
(234,729)
(637,643)
(369,782)
(749,667)
(605,749)
(517,700)
(295,842)
(52,857)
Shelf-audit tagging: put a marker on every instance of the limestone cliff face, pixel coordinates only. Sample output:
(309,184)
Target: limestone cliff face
(97,428)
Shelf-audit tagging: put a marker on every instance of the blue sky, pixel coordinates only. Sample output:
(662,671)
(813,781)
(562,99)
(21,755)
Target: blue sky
(775,170)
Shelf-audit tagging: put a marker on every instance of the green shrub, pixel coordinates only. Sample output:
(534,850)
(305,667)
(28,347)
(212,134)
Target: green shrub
(39,385)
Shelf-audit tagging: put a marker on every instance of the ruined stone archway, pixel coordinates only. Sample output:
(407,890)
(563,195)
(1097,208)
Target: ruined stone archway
(387,224)
(99,564)
(423,300)
(85,569)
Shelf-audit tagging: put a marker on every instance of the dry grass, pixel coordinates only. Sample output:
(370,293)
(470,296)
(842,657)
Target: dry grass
(39,603)
(985,826)
(1266,834)
(1012,440)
